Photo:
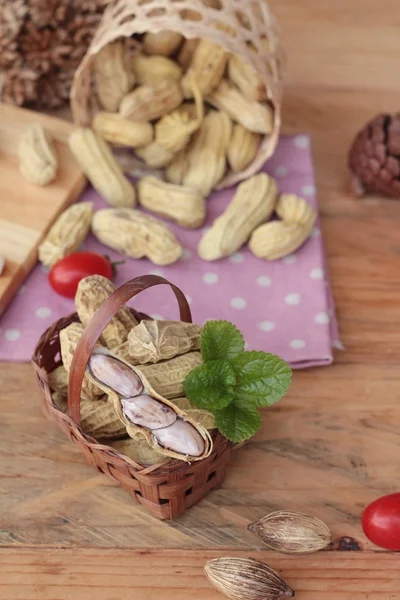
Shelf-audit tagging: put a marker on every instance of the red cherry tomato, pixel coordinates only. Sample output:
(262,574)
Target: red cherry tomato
(65,275)
(381,522)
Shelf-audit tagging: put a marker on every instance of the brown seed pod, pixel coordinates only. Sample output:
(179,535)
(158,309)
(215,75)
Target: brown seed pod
(291,532)
(246,579)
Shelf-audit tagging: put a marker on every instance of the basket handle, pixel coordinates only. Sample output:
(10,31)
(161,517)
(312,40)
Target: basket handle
(100,320)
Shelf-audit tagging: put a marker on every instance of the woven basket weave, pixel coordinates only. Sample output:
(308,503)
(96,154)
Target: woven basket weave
(247,23)
(165,490)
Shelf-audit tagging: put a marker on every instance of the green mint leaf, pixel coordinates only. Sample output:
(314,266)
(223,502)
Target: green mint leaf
(220,340)
(210,385)
(262,379)
(236,423)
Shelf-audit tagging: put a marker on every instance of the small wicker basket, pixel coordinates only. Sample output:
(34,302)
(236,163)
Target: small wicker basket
(165,490)
(239,26)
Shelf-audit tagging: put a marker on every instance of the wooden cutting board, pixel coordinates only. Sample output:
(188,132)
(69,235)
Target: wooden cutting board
(28,211)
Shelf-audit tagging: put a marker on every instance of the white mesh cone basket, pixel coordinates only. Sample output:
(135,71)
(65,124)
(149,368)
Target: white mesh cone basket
(239,26)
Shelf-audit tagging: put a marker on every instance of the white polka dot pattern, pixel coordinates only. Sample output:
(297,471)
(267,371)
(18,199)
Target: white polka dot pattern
(317,273)
(322,318)
(12,335)
(238,303)
(289,259)
(264,280)
(308,190)
(43,312)
(210,278)
(187,254)
(267,325)
(236,258)
(283,306)
(281,171)
(297,344)
(301,141)
(293,299)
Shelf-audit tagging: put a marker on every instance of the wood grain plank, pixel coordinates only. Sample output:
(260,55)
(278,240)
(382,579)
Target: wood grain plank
(28,211)
(42,574)
(331,446)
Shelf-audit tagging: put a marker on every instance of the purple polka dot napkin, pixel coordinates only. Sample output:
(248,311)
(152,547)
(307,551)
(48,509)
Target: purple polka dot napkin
(284,307)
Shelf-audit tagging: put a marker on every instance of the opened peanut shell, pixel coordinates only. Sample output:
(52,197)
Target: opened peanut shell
(167,429)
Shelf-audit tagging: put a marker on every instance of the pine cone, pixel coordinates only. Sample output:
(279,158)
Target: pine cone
(374,157)
(42,43)
(18,86)
(47,12)
(12,15)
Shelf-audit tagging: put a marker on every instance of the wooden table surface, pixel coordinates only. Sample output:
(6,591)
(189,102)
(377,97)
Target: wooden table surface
(331,446)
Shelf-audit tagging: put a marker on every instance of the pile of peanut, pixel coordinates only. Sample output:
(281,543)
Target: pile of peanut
(194,110)
(162,354)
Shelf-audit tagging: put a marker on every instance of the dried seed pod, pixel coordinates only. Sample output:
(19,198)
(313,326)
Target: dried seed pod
(69,338)
(253,203)
(252,115)
(246,78)
(38,161)
(91,293)
(122,132)
(136,234)
(181,437)
(58,380)
(184,205)
(177,168)
(139,451)
(207,65)
(243,147)
(174,131)
(67,233)
(155,155)
(168,376)
(291,532)
(279,238)
(293,209)
(100,420)
(186,52)
(246,579)
(207,152)
(149,102)
(150,70)
(163,42)
(100,167)
(153,341)
(112,79)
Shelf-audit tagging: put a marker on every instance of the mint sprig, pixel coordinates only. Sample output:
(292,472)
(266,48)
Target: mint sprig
(235,422)
(211,384)
(234,384)
(220,340)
